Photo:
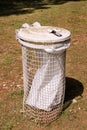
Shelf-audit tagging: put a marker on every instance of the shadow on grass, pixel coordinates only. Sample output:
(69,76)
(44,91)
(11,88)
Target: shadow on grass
(74,88)
(9,7)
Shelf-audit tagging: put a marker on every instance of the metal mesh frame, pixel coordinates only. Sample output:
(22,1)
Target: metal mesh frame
(33,59)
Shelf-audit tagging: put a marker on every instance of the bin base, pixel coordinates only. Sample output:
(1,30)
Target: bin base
(42,117)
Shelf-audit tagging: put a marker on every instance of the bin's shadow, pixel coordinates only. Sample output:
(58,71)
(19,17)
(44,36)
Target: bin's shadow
(74,88)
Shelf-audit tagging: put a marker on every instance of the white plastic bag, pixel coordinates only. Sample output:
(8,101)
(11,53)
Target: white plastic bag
(48,84)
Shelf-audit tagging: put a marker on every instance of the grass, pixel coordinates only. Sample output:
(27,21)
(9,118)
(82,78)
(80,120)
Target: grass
(71,15)
(10,113)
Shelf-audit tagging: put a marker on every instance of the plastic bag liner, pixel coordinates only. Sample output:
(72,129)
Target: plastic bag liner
(47,87)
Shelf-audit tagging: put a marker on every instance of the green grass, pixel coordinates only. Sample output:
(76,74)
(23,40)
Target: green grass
(71,15)
(10,110)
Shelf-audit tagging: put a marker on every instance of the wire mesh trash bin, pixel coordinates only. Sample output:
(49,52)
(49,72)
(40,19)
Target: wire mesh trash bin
(43,52)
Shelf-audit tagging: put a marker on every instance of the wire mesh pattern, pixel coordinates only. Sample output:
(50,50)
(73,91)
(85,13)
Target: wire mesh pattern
(44,84)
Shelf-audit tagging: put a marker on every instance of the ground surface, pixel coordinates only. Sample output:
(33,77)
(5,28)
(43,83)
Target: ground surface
(71,15)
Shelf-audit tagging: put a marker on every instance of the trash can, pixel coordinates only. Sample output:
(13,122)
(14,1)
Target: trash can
(43,56)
